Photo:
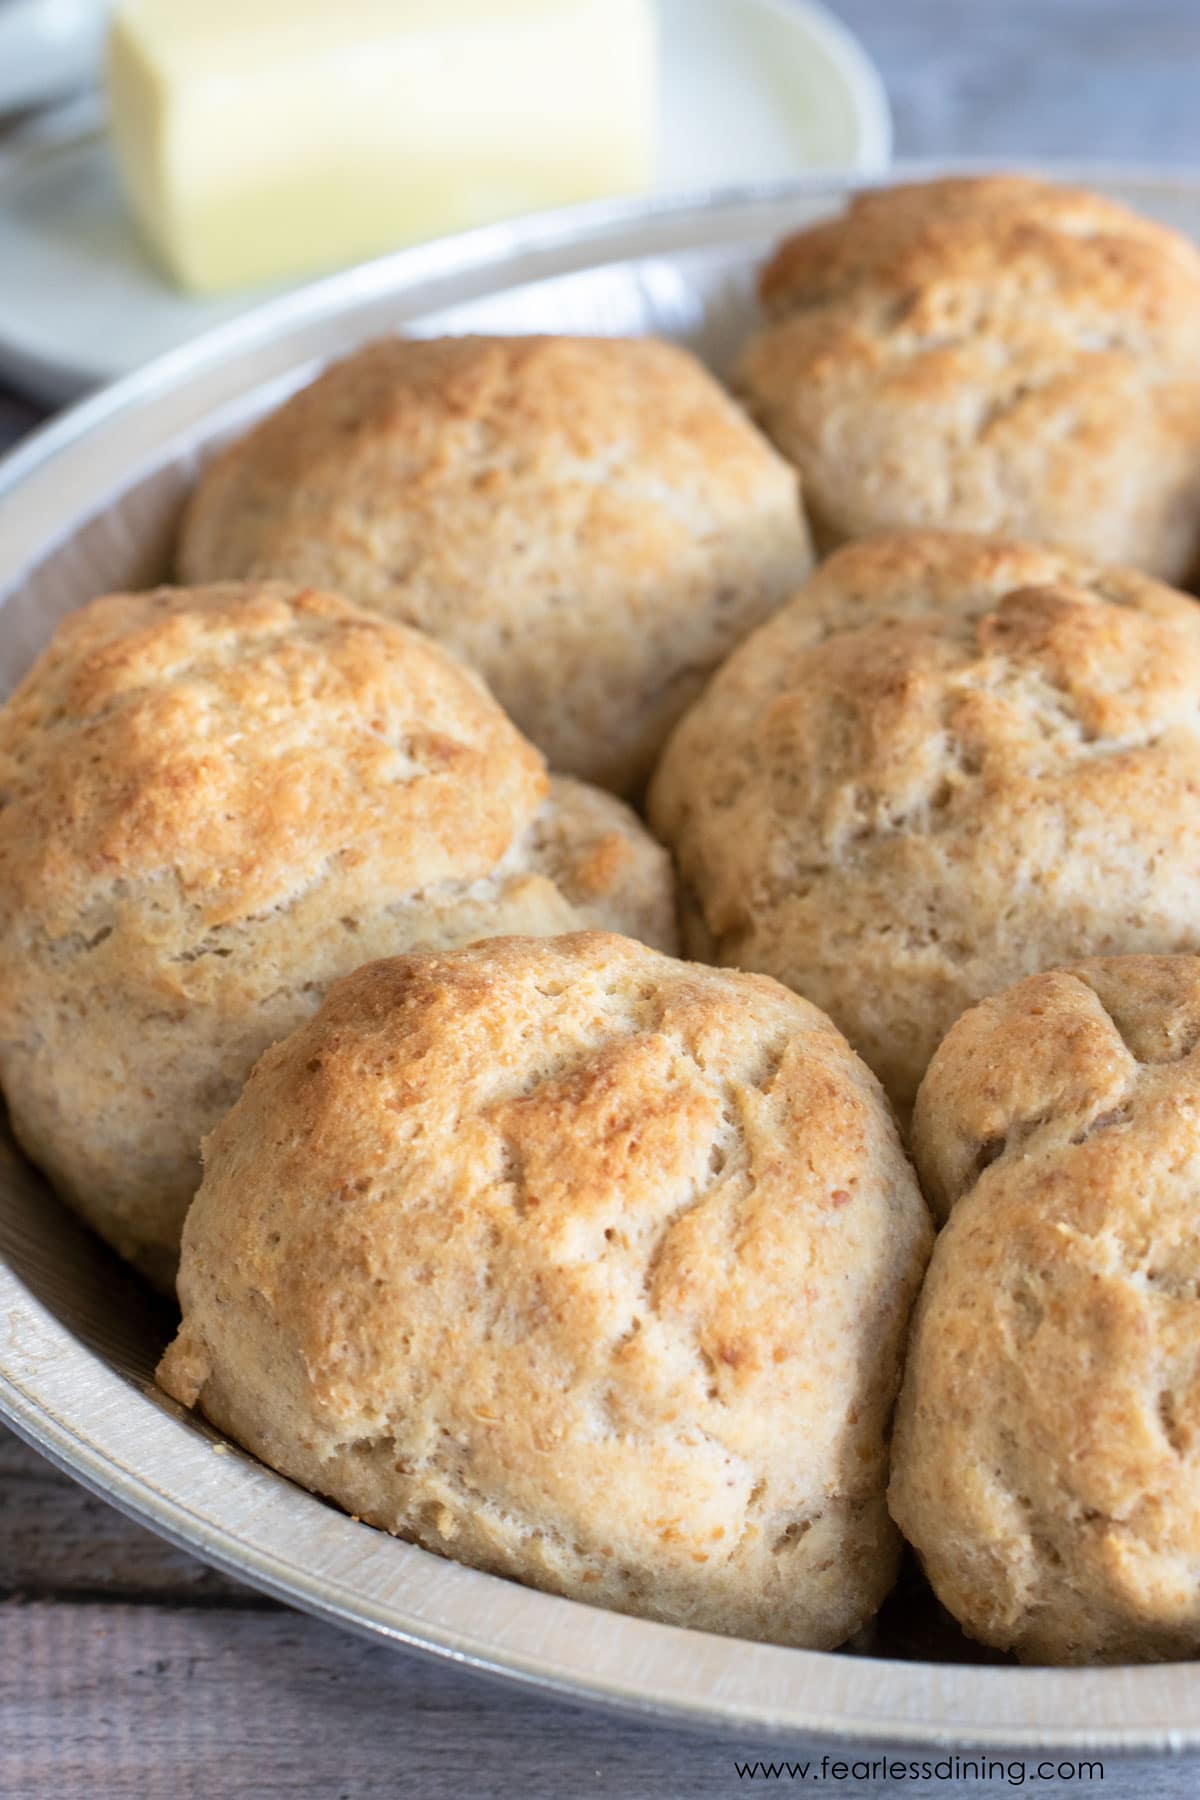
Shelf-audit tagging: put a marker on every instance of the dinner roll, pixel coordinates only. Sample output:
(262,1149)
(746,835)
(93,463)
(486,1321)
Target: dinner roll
(991,354)
(578,1264)
(951,761)
(592,524)
(1047,1453)
(213,803)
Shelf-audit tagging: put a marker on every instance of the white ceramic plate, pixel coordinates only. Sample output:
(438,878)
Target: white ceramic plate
(88,504)
(753,90)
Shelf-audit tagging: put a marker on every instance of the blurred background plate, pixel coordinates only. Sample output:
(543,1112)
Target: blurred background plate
(752,90)
(90,503)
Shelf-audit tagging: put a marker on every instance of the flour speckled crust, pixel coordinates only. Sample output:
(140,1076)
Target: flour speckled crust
(994,354)
(215,801)
(949,762)
(577,1263)
(592,524)
(1047,1453)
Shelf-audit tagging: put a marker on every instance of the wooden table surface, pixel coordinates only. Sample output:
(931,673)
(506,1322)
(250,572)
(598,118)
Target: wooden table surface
(127,1670)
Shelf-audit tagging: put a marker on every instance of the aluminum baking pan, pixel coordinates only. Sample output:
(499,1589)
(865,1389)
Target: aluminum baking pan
(89,504)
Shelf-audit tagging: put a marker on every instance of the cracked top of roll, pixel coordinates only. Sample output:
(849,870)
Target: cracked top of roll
(950,761)
(580,1264)
(991,354)
(228,743)
(1047,1452)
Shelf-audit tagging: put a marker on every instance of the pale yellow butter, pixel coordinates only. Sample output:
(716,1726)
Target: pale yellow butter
(267,138)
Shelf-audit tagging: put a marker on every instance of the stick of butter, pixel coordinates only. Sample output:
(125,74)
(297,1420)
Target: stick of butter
(260,139)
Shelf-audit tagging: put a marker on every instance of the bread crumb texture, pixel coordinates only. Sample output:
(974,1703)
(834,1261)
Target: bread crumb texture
(951,761)
(590,523)
(1047,1452)
(994,354)
(215,801)
(576,1263)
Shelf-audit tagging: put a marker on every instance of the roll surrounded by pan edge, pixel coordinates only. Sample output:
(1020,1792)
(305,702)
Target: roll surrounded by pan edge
(216,801)
(1047,1452)
(991,354)
(579,1264)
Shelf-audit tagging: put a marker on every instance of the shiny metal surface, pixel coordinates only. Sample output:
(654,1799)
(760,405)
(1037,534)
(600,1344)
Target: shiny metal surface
(88,504)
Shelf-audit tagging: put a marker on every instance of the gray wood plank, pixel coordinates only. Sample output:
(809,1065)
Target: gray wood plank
(59,1541)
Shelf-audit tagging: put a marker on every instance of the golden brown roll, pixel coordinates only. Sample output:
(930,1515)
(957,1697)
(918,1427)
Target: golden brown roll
(949,762)
(993,354)
(214,801)
(590,523)
(1047,1451)
(579,1264)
